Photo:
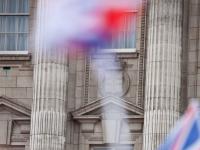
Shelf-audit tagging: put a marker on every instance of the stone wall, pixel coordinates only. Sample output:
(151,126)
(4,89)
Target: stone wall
(16,78)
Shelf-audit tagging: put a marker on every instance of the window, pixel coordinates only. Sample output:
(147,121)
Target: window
(14,25)
(126,39)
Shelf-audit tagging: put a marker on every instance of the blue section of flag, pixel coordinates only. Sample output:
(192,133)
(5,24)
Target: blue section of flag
(193,135)
(186,134)
(167,145)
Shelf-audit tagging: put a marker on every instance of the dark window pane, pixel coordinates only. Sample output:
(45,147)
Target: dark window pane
(26,6)
(23,6)
(11,6)
(22,42)
(2,24)
(2,6)
(11,42)
(2,41)
(10,24)
(22,24)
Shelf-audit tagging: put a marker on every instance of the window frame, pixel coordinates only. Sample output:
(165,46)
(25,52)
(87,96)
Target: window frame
(20,52)
(125,50)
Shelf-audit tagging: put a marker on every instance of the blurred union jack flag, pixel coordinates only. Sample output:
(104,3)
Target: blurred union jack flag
(88,22)
(186,134)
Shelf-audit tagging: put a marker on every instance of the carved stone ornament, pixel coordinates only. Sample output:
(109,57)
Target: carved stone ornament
(114,83)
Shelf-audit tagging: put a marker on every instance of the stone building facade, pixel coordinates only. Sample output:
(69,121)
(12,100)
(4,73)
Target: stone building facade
(53,101)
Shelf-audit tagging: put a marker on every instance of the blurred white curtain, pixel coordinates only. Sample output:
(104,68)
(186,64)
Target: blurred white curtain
(14,24)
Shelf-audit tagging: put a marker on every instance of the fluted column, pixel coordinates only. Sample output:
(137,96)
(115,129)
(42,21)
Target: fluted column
(48,121)
(163,70)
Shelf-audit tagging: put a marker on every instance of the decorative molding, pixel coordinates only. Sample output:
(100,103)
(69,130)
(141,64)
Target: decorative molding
(86,78)
(133,55)
(142,52)
(124,86)
(15,57)
(124,55)
(98,104)
(8,102)
(18,117)
(13,52)
(91,114)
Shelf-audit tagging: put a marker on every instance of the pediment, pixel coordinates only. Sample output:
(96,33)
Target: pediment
(9,105)
(110,104)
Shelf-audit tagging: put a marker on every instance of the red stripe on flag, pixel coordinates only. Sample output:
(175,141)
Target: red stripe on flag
(114,19)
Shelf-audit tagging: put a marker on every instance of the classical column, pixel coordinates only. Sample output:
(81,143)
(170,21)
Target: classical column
(48,121)
(163,70)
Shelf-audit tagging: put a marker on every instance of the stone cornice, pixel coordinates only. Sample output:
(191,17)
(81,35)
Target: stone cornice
(15,57)
(121,55)
(84,112)
(8,102)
